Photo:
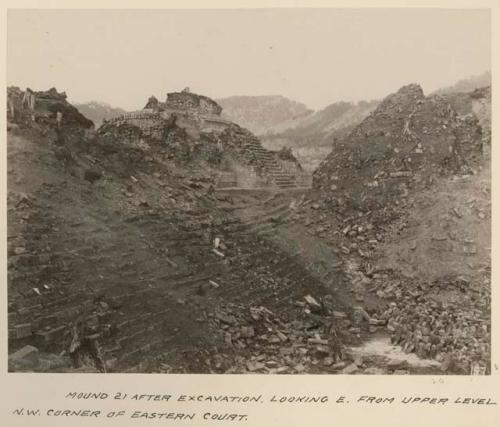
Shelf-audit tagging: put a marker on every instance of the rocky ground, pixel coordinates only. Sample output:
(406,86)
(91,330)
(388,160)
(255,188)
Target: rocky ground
(424,278)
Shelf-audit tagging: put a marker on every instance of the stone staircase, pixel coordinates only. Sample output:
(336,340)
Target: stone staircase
(253,150)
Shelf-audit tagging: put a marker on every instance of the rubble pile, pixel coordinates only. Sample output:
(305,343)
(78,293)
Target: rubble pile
(448,321)
(431,259)
(449,256)
(301,340)
(276,345)
(358,318)
(405,201)
(403,143)
(426,287)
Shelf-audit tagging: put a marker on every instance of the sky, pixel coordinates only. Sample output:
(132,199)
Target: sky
(315,56)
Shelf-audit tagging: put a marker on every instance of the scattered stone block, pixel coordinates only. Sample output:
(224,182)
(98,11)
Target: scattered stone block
(48,337)
(23,330)
(312,301)
(339,365)
(374,371)
(27,354)
(397,364)
(254,366)
(351,369)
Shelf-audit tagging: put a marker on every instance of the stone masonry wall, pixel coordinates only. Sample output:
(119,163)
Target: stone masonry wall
(191,101)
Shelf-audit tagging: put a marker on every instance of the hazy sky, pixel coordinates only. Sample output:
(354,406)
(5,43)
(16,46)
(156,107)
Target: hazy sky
(316,56)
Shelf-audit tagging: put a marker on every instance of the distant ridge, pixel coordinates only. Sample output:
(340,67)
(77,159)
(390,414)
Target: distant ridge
(261,114)
(99,111)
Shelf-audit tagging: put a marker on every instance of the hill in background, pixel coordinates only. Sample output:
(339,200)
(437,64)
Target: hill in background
(99,111)
(467,85)
(262,114)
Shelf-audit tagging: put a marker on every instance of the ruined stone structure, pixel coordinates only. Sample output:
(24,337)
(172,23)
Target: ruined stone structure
(44,107)
(187,101)
(183,102)
(195,113)
(29,99)
(147,120)
(199,115)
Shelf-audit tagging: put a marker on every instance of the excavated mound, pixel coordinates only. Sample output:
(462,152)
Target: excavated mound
(183,140)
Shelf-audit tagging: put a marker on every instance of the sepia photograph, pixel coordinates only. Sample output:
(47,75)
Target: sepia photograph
(249,191)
